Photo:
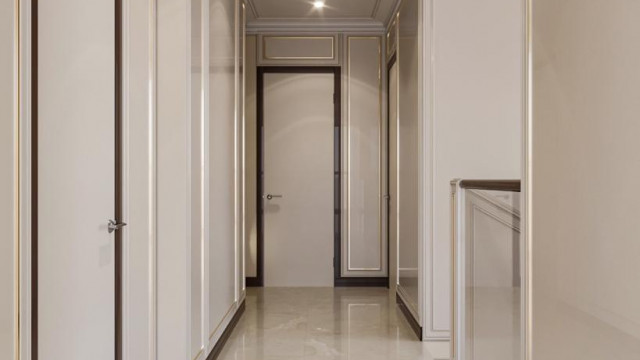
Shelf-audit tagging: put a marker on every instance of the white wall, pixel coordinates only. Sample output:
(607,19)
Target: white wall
(8,190)
(173,179)
(473,112)
(585,161)
(222,187)
(139,188)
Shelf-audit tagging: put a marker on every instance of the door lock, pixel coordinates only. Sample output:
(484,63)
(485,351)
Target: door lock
(113,226)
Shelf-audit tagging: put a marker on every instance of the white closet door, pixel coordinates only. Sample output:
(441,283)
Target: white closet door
(75,180)
(298,165)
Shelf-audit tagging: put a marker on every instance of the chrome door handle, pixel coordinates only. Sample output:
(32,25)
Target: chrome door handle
(270,196)
(113,226)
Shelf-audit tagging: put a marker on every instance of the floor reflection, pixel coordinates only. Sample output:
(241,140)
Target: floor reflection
(325,323)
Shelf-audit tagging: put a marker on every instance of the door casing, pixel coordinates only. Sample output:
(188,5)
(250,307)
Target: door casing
(337,233)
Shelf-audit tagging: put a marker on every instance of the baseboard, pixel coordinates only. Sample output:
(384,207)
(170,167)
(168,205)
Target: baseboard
(213,355)
(409,316)
(361,282)
(253,282)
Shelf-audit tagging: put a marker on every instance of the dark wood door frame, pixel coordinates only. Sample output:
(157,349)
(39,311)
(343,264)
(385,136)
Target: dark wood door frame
(339,280)
(258,281)
(118,178)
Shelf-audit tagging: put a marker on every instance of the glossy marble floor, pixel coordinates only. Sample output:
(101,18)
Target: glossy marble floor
(325,323)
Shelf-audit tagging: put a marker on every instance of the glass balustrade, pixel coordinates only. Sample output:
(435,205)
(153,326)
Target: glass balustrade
(488,268)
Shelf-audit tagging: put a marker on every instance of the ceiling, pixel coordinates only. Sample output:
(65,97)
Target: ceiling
(336,13)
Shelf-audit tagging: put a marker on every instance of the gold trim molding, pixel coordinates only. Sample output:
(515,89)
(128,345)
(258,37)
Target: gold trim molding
(280,37)
(348,160)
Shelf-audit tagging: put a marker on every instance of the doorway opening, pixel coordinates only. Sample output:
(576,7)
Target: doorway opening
(283,134)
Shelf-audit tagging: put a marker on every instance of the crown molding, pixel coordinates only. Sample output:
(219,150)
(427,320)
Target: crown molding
(314,26)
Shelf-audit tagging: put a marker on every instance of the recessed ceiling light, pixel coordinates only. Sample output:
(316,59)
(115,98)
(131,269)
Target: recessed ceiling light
(318,4)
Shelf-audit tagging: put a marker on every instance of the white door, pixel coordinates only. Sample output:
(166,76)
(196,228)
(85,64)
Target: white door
(298,179)
(75,120)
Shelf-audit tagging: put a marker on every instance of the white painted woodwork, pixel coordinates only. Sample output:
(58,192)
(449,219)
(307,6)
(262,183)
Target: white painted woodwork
(139,187)
(473,114)
(364,247)
(393,176)
(76,134)
(298,164)
(8,180)
(196,245)
(409,125)
(222,166)
(308,49)
(583,191)
(250,168)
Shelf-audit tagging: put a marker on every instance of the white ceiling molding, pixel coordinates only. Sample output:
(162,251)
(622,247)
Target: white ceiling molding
(289,16)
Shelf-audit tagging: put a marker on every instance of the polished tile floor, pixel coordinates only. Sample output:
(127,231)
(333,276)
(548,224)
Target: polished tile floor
(325,323)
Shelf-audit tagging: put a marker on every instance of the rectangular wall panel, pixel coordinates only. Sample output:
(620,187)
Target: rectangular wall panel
(240,149)
(364,249)
(8,190)
(197,181)
(409,125)
(584,194)
(250,213)
(299,50)
(222,165)
(173,179)
(477,117)
(139,187)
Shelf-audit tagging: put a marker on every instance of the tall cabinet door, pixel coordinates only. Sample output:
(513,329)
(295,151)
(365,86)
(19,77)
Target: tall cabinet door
(74,179)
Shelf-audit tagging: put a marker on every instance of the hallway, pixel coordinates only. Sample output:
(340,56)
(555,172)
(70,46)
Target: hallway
(325,323)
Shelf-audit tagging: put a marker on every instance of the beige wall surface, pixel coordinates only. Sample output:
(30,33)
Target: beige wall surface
(251,228)
(585,176)
(197,179)
(477,111)
(222,167)
(173,179)
(409,125)
(8,209)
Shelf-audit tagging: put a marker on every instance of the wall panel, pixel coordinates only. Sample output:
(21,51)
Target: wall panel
(250,141)
(222,165)
(408,154)
(139,187)
(584,195)
(173,179)
(197,181)
(365,247)
(8,180)
(321,49)
(474,125)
